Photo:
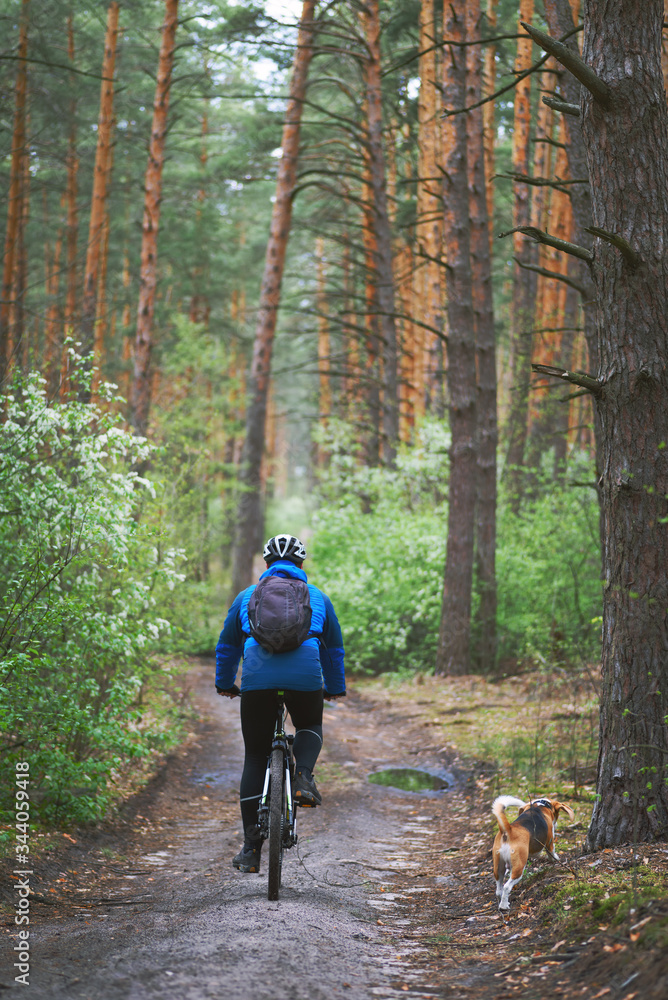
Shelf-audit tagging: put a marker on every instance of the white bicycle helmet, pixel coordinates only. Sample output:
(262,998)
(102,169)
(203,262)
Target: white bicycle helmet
(284,547)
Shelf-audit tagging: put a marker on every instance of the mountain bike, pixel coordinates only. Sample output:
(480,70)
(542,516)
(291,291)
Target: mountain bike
(276,812)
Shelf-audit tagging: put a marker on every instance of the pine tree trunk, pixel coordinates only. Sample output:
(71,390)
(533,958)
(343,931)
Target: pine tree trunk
(453,653)
(100,185)
(562,410)
(140,395)
(100,313)
(489,127)
(428,285)
(14,208)
(69,319)
(483,317)
(627,153)
(200,306)
(372,349)
(350,398)
(524,281)
(664,45)
(250,522)
(52,323)
(554,341)
(325,401)
(559,17)
(19,331)
(369,16)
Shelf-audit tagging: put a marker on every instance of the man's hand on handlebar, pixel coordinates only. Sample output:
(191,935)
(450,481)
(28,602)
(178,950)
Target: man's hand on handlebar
(232,692)
(333,697)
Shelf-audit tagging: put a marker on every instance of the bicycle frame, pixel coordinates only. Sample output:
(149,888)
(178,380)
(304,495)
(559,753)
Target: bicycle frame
(281,741)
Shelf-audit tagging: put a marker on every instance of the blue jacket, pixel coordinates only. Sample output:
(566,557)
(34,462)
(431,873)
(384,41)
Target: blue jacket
(302,669)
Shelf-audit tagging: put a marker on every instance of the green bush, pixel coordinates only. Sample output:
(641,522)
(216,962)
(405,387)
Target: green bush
(80,601)
(548,570)
(379,549)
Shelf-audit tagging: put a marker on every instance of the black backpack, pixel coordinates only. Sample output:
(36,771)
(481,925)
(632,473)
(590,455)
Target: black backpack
(279,613)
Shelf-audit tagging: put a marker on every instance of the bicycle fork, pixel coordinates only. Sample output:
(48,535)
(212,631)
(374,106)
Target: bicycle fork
(290,829)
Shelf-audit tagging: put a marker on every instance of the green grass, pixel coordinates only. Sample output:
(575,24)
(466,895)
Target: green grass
(608,900)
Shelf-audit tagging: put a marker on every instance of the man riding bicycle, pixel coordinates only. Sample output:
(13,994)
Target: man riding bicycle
(299,671)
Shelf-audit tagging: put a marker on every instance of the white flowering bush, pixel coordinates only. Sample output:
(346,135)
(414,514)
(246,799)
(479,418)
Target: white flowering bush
(80,598)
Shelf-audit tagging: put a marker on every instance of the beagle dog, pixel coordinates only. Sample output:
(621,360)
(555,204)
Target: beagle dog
(534,829)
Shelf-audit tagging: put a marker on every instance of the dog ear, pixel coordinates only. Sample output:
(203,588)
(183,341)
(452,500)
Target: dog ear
(557,806)
(523,809)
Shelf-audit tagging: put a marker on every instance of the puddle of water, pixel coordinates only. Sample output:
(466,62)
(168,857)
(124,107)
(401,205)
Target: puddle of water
(410,779)
(159,858)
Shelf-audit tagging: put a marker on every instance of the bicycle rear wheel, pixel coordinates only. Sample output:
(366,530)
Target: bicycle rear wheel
(276,822)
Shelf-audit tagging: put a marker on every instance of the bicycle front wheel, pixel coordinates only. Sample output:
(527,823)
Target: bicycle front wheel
(276,822)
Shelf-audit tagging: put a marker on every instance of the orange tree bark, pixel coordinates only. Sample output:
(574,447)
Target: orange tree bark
(563,410)
(369,15)
(324,383)
(483,319)
(249,524)
(350,397)
(627,152)
(100,335)
(664,46)
(140,395)
(545,216)
(489,128)
(19,345)
(524,281)
(559,16)
(100,184)
(52,325)
(372,394)
(554,335)
(15,195)
(453,654)
(428,294)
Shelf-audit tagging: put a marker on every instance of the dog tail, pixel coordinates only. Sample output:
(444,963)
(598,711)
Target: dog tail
(499,810)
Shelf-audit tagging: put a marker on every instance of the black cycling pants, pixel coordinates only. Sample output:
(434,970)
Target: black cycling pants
(258,716)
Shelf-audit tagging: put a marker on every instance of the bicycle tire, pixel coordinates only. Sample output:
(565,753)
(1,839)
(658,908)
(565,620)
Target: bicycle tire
(276,822)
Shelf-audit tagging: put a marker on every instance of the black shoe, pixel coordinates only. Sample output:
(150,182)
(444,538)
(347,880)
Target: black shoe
(304,790)
(248,858)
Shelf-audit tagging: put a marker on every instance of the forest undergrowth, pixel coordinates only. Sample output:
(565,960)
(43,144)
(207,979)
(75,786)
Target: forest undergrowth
(96,594)
(115,572)
(595,924)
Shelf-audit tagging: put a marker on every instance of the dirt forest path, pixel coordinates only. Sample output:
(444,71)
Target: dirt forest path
(388,894)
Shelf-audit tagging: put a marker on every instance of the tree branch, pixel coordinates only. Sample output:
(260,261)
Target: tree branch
(519,76)
(588,382)
(562,106)
(599,90)
(558,184)
(551,241)
(624,247)
(546,273)
(549,142)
